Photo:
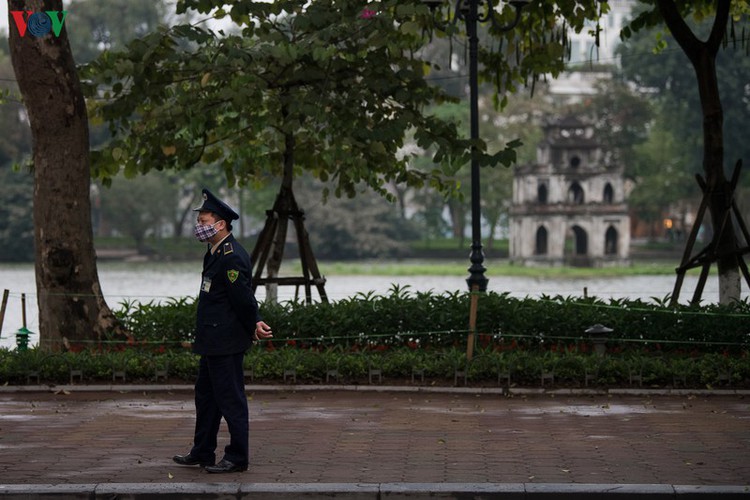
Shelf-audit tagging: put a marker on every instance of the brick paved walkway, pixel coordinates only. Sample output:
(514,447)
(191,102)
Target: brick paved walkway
(378,437)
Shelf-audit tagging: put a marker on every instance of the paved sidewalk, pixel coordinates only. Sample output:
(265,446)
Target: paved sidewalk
(346,438)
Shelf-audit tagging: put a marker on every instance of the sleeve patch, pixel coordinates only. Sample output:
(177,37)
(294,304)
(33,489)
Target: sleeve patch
(233,274)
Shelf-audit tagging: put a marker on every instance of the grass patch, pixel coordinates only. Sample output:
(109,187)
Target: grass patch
(494,268)
(187,249)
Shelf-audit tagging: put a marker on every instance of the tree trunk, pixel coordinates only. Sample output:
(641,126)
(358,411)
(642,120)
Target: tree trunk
(71,306)
(492,222)
(401,199)
(702,55)
(457,211)
(283,205)
(179,223)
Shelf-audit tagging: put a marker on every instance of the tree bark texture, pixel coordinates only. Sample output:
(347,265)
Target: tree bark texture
(72,309)
(702,55)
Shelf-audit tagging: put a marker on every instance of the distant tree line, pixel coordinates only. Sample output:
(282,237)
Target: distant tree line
(654,130)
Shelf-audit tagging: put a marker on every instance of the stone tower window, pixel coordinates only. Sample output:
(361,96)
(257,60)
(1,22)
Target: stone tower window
(610,241)
(609,194)
(542,194)
(575,161)
(580,241)
(575,194)
(540,247)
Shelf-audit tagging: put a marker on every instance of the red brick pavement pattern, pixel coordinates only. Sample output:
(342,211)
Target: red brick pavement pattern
(374,437)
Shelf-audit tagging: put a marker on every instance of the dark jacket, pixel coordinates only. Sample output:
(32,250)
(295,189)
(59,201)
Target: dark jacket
(227,309)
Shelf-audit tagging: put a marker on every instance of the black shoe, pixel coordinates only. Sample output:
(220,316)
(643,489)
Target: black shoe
(191,460)
(225,466)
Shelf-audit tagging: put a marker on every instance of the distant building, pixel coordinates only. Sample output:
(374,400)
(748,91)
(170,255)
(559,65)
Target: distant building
(588,62)
(570,206)
(583,48)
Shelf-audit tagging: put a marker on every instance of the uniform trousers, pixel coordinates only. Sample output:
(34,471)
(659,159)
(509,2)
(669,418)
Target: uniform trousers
(220,392)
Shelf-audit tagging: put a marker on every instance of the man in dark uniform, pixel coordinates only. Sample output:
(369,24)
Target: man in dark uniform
(227,323)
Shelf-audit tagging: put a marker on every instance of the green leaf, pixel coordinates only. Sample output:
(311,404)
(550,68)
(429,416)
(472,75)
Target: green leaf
(131,170)
(410,28)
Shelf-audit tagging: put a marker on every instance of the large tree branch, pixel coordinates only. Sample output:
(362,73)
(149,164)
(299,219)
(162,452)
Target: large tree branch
(685,37)
(719,27)
(682,33)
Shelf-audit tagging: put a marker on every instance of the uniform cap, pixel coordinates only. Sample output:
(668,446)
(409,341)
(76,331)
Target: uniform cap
(213,204)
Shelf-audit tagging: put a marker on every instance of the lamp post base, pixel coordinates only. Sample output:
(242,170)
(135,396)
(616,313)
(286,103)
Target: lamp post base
(477,280)
(477,284)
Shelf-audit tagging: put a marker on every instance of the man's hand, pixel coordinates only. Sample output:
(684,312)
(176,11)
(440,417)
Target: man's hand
(262,331)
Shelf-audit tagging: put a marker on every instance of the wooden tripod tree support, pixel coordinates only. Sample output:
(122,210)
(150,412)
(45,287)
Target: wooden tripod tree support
(710,254)
(271,242)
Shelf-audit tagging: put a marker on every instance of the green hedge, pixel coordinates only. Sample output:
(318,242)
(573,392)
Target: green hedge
(34,365)
(441,320)
(396,365)
(527,340)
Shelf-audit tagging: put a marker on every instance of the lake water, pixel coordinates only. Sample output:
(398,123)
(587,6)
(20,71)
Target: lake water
(157,282)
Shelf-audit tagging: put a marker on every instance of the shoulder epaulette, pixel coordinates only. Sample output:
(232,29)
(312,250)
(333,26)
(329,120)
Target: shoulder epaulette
(228,248)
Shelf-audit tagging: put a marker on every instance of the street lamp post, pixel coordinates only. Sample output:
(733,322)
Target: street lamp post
(469,12)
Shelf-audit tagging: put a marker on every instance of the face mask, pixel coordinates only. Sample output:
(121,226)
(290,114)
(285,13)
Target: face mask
(205,232)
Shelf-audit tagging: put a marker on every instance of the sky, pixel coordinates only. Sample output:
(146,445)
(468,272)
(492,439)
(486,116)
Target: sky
(4,17)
